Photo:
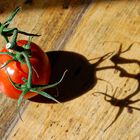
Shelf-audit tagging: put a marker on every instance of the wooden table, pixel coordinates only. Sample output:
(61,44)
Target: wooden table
(73,38)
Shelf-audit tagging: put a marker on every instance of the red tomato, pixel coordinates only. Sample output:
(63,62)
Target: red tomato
(40,66)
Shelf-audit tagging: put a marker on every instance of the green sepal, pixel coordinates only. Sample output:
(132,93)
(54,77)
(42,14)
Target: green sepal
(21,97)
(20,102)
(17,86)
(45,95)
(8,53)
(7,22)
(42,87)
(7,63)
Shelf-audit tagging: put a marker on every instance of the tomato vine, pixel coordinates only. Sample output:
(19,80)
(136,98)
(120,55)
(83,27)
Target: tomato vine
(22,55)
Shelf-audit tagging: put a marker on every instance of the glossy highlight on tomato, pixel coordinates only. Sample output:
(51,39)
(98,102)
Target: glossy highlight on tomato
(17,71)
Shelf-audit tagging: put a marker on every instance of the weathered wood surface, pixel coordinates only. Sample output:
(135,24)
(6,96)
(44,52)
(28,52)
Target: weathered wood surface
(89,31)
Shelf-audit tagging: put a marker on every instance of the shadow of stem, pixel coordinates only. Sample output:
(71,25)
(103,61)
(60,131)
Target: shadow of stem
(127,101)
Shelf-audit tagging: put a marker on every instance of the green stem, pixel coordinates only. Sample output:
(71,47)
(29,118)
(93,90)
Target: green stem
(42,87)
(21,97)
(29,82)
(12,16)
(8,53)
(13,42)
(17,86)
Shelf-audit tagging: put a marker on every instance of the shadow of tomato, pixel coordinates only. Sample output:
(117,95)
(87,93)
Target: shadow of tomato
(79,78)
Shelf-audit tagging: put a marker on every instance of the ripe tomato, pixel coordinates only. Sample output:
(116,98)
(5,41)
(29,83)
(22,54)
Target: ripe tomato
(17,70)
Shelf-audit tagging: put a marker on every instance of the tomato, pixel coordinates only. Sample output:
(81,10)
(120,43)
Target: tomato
(17,71)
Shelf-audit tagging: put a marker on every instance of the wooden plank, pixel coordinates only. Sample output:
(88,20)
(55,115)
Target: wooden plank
(53,23)
(87,117)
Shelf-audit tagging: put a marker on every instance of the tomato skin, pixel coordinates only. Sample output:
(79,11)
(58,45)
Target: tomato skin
(16,70)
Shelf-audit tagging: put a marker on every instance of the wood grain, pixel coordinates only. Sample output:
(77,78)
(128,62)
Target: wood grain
(89,31)
(47,19)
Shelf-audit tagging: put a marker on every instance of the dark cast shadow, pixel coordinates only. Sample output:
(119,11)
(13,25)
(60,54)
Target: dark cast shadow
(80,77)
(127,101)
(8,5)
